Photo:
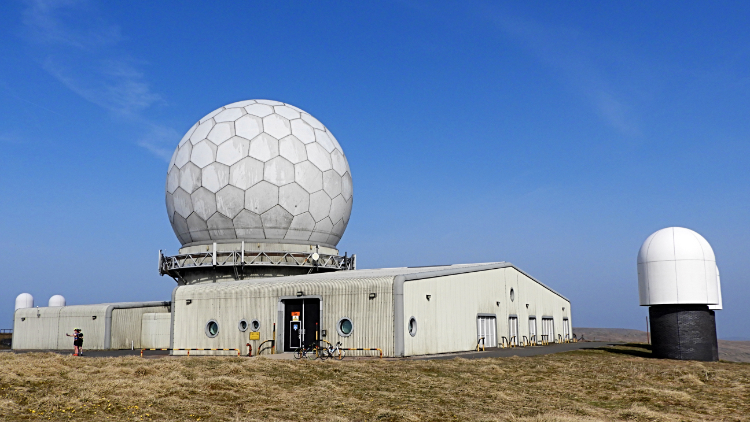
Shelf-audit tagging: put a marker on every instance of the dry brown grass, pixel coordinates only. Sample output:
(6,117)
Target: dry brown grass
(576,386)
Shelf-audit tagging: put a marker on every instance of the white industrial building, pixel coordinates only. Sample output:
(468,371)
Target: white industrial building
(259,194)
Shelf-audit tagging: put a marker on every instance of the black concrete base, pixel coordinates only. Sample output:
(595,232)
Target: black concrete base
(686,332)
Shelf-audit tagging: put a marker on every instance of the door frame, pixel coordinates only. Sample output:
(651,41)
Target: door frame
(280,329)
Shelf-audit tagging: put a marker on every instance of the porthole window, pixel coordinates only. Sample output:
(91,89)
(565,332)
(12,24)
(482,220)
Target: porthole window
(512,295)
(255,325)
(345,327)
(242,325)
(412,326)
(212,328)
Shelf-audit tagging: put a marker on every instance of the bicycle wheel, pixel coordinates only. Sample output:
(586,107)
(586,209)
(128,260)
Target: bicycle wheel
(312,353)
(299,352)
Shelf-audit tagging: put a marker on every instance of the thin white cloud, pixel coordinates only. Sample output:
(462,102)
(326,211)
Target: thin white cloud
(577,59)
(79,49)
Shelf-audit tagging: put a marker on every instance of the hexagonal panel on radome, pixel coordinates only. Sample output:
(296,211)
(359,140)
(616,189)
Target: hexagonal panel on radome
(220,227)
(190,178)
(229,115)
(201,131)
(292,149)
(348,211)
(261,197)
(335,141)
(346,186)
(264,147)
(320,205)
(338,208)
(338,162)
(248,126)
(188,135)
(319,156)
(287,112)
(204,203)
(173,179)
(198,228)
(338,229)
(322,230)
(183,204)
(245,173)
(322,138)
(301,227)
(232,150)
(294,199)
(220,133)
(204,153)
(170,206)
(240,104)
(183,155)
(215,176)
(279,171)
(276,126)
(211,114)
(276,222)
(260,110)
(332,183)
(248,225)
(181,229)
(307,175)
(304,132)
(270,102)
(230,201)
(312,121)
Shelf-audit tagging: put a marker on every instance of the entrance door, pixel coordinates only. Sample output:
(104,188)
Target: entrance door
(566,329)
(532,330)
(487,328)
(301,320)
(548,329)
(513,330)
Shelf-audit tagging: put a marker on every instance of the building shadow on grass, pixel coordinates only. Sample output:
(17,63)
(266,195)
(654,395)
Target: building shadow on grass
(633,349)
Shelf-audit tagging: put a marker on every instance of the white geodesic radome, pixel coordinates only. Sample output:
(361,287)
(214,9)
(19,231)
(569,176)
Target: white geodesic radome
(259,170)
(677,266)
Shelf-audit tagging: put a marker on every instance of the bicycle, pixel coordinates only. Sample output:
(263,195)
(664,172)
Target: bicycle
(332,351)
(308,352)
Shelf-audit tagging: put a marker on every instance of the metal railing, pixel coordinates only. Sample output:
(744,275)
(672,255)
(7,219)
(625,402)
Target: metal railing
(480,339)
(361,348)
(188,350)
(170,265)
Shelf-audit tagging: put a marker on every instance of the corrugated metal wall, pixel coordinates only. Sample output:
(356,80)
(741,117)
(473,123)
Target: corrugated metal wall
(155,330)
(126,326)
(447,321)
(48,329)
(230,302)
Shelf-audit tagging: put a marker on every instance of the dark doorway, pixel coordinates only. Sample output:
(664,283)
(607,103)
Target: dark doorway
(301,322)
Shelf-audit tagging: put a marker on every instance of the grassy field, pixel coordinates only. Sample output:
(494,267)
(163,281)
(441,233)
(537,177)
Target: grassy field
(620,383)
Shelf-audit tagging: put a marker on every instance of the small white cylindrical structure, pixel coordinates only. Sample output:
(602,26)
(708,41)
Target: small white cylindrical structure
(677,266)
(56,300)
(24,300)
(679,281)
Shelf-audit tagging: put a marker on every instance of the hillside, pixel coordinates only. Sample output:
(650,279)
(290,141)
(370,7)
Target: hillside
(615,383)
(733,351)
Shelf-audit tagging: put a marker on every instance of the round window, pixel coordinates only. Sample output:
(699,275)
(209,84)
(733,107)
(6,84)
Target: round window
(255,325)
(412,326)
(512,295)
(242,325)
(212,328)
(345,327)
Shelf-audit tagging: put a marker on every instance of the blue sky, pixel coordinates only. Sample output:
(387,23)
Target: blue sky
(556,136)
